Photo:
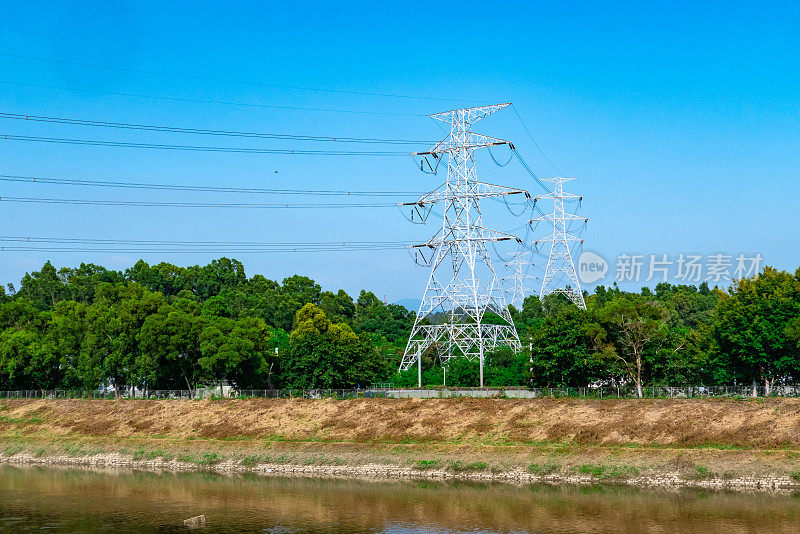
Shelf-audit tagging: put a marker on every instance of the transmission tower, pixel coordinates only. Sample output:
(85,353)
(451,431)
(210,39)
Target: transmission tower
(560,275)
(518,265)
(463,285)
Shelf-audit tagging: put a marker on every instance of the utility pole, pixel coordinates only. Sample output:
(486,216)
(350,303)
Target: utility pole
(560,275)
(463,285)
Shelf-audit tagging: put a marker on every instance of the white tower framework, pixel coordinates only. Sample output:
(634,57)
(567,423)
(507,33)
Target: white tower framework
(463,285)
(560,275)
(518,265)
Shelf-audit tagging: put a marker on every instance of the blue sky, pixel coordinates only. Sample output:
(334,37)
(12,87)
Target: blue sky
(681,119)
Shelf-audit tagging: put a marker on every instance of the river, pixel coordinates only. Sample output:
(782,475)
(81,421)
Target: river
(76,500)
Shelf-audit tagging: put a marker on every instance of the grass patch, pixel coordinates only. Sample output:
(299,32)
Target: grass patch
(74,449)
(315,459)
(459,467)
(795,476)
(426,464)
(209,458)
(608,471)
(543,469)
(20,420)
(701,470)
(250,461)
(143,454)
(11,450)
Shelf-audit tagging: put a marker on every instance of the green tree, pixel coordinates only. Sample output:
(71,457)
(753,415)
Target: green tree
(164,278)
(531,313)
(562,353)
(216,277)
(170,345)
(235,351)
(750,329)
(45,288)
(110,350)
(630,331)
(339,307)
(392,321)
(65,338)
(329,355)
(81,282)
(25,362)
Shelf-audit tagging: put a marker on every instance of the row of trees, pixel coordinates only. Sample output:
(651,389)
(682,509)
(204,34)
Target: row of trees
(170,327)
(675,335)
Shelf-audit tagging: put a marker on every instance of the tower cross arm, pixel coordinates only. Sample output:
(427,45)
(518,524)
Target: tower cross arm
(464,141)
(476,190)
(555,238)
(550,217)
(482,235)
(558,195)
(468,115)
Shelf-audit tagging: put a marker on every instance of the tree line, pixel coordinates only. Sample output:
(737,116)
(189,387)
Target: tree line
(168,327)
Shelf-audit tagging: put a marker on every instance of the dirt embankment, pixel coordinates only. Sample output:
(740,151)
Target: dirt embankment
(773,423)
(713,442)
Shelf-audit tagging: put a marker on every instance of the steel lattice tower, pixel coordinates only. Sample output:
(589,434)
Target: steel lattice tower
(463,285)
(519,265)
(560,275)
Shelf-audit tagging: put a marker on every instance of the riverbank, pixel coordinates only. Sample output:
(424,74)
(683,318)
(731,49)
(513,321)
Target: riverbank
(386,472)
(716,443)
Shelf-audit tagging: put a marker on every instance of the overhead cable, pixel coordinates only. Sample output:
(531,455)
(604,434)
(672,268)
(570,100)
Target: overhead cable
(193,148)
(137,203)
(224,80)
(525,126)
(201,188)
(209,101)
(200,131)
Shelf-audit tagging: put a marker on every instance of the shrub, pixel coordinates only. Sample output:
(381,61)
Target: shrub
(426,464)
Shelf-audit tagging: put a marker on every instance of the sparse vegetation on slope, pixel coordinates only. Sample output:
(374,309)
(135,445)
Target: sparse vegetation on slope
(603,439)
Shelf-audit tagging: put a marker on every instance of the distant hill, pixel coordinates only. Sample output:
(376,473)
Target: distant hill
(409,304)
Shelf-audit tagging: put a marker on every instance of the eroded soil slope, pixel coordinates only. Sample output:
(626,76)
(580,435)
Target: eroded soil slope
(762,423)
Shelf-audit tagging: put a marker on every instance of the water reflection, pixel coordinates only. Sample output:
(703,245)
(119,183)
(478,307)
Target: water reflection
(70,500)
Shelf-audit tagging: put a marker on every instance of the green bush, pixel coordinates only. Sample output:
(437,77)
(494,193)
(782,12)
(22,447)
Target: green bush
(426,464)
(543,469)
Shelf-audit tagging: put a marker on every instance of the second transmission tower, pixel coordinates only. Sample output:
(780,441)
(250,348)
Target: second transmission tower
(519,266)
(560,275)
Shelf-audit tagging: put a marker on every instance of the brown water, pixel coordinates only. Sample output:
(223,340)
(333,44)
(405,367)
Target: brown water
(71,500)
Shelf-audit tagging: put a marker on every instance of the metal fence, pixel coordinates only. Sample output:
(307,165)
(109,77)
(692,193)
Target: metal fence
(419,393)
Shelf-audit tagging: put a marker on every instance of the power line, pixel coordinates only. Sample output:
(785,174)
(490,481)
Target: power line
(137,203)
(192,148)
(223,250)
(225,133)
(530,171)
(99,241)
(201,188)
(242,82)
(209,101)
(56,244)
(534,140)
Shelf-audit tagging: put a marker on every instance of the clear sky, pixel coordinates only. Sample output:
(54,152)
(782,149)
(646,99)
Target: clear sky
(681,119)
